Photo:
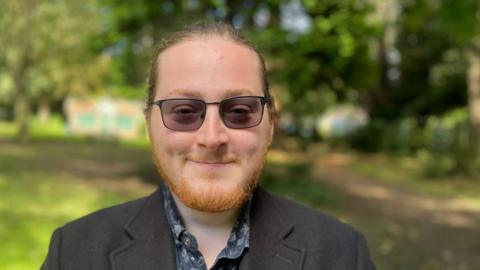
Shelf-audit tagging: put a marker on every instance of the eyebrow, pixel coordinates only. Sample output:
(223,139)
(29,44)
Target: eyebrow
(184,93)
(197,94)
(237,92)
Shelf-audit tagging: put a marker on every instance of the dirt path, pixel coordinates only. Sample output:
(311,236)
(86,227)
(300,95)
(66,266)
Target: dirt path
(445,233)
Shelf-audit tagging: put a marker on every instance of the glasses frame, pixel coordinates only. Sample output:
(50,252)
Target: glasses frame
(263,101)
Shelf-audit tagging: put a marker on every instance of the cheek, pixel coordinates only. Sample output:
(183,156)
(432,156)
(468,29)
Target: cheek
(167,142)
(251,145)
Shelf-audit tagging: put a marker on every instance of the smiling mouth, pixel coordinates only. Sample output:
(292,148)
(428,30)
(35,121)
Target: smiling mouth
(211,164)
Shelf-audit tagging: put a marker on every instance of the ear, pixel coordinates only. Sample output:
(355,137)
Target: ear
(271,132)
(148,116)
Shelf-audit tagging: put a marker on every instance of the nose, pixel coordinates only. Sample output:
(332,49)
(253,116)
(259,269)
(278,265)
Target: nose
(213,133)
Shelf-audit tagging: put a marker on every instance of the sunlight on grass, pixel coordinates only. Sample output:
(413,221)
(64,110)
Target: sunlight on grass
(55,129)
(42,187)
(408,172)
(34,204)
(7,129)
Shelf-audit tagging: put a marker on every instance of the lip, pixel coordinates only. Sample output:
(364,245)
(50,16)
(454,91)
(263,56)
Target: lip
(211,164)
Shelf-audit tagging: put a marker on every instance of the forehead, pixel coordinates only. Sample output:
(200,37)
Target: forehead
(211,66)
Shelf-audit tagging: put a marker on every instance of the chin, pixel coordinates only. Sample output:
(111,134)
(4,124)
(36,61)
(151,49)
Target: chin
(213,190)
(213,194)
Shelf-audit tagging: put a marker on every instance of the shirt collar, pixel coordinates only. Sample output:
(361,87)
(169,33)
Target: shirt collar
(239,236)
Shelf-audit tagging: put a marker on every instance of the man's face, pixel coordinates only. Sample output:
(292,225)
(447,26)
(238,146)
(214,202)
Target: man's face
(214,168)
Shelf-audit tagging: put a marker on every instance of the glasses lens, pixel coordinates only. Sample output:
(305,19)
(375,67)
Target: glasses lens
(182,114)
(241,112)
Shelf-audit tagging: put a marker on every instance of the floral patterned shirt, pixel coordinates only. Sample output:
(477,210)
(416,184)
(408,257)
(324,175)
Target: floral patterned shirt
(188,256)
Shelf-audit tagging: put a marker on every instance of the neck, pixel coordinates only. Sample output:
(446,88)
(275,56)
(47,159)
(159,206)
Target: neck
(211,230)
(196,219)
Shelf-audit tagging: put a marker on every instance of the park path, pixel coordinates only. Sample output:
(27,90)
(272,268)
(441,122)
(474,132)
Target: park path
(456,212)
(444,230)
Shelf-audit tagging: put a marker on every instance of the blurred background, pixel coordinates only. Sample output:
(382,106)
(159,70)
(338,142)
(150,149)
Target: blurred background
(379,102)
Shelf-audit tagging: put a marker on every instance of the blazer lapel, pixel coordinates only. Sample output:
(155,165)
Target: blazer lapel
(269,245)
(151,246)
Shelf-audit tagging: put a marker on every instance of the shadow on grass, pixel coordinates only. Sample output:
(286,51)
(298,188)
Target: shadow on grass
(113,160)
(297,182)
(81,158)
(24,237)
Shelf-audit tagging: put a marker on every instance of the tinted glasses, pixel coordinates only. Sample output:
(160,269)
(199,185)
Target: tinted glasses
(186,114)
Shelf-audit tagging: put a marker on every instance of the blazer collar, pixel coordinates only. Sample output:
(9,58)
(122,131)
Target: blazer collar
(152,245)
(270,247)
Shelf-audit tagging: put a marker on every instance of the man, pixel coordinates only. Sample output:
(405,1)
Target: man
(210,122)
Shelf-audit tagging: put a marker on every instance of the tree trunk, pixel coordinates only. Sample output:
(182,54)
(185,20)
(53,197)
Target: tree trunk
(22,110)
(473,82)
(380,95)
(22,102)
(44,111)
(387,14)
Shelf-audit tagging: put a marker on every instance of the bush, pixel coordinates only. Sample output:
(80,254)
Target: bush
(401,137)
(369,138)
(444,143)
(448,139)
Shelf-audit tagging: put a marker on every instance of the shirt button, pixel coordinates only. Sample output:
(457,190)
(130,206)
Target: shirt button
(188,242)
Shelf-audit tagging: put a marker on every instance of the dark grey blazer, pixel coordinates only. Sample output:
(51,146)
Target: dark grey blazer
(136,236)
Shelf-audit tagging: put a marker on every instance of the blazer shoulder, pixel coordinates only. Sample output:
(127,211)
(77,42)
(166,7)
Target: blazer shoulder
(326,240)
(107,221)
(88,241)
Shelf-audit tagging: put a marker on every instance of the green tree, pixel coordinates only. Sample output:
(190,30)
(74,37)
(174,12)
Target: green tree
(440,47)
(47,54)
(132,31)
(461,20)
(325,61)
(319,53)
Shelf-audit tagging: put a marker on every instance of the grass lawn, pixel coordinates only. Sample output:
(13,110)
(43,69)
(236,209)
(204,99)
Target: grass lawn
(55,179)
(49,182)
(409,172)
(46,184)
(403,171)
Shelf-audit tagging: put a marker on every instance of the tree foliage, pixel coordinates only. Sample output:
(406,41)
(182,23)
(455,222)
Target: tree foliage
(45,53)
(397,58)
